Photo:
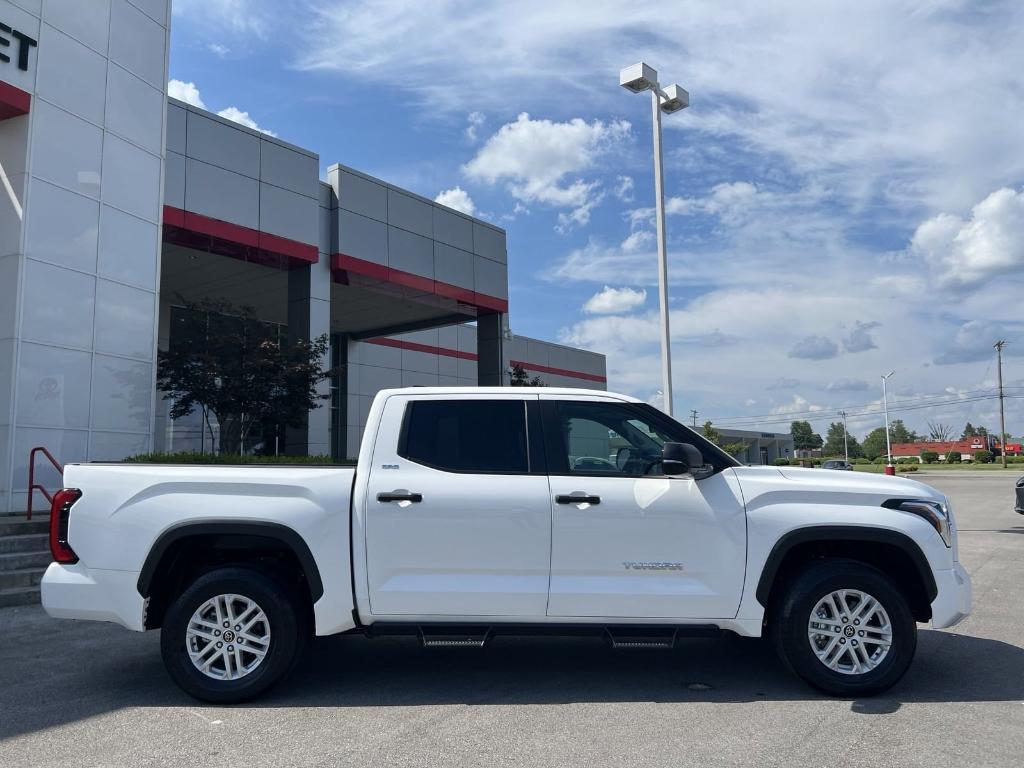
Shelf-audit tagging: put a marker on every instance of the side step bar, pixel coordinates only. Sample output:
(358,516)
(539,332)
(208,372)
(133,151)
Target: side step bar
(454,637)
(479,635)
(649,637)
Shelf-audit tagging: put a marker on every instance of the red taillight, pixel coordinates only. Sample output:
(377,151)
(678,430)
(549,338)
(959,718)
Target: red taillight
(60,512)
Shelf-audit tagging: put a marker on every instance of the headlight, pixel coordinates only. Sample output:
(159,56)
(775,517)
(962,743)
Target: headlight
(934,512)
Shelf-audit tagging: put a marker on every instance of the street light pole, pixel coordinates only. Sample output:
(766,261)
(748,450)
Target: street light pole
(889,470)
(639,78)
(659,202)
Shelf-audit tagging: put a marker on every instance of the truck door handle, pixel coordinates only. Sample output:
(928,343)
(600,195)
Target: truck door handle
(400,496)
(571,498)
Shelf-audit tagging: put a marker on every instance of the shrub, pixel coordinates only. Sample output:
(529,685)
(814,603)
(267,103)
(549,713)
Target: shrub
(953,457)
(929,457)
(192,457)
(862,461)
(879,460)
(908,467)
(984,457)
(781,462)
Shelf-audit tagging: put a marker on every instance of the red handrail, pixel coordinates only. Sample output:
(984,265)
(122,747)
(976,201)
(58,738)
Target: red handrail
(32,484)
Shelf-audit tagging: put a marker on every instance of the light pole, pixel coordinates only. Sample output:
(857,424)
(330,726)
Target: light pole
(846,446)
(639,78)
(889,469)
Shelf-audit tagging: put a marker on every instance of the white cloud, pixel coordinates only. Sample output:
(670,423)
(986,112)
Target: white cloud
(457,198)
(637,240)
(873,119)
(966,252)
(624,188)
(475,121)
(847,385)
(614,300)
(242,118)
(859,339)
(814,348)
(237,17)
(218,50)
(540,161)
(189,93)
(186,92)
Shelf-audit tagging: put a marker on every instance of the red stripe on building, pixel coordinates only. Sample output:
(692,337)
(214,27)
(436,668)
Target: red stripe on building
(429,349)
(341,262)
(225,236)
(13,101)
(413,346)
(558,371)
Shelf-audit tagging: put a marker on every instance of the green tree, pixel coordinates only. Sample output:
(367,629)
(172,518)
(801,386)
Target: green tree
(834,441)
(969,431)
(520,378)
(804,437)
(900,434)
(713,435)
(227,362)
(874,444)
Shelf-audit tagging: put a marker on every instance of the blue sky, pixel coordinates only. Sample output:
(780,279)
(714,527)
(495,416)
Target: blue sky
(845,193)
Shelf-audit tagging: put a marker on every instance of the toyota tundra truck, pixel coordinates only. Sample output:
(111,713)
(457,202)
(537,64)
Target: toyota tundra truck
(479,512)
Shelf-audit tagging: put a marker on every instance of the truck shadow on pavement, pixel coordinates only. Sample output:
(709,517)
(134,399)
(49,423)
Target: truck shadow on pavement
(92,670)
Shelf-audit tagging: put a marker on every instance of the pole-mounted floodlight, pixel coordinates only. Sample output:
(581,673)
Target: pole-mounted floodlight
(676,98)
(639,78)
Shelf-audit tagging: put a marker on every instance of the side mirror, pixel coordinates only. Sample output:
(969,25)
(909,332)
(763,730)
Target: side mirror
(680,458)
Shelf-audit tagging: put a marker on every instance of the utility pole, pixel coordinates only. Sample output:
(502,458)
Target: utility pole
(1002,411)
(693,412)
(846,446)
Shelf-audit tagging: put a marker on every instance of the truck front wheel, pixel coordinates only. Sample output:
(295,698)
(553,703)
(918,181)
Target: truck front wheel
(845,628)
(231,634)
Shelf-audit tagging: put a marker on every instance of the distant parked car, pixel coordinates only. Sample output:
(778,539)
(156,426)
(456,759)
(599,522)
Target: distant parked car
(836,464)
(1019,509)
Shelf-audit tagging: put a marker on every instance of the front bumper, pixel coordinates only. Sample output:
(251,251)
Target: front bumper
(953,603)
(78,592)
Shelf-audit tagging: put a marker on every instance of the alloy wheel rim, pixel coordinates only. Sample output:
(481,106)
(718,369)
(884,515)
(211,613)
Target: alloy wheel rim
(849,632)
(228,637)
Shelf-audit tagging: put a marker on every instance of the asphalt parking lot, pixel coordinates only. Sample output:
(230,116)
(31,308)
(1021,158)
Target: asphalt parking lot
(89,694)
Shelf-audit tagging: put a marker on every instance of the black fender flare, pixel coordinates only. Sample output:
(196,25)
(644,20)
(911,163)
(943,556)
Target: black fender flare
(861,533)
(282,533)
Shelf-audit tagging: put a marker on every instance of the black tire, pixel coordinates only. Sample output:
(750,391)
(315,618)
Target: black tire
(284,614)
(788,627)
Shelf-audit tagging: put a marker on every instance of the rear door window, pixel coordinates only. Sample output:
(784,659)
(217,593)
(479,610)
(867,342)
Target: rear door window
(477,436)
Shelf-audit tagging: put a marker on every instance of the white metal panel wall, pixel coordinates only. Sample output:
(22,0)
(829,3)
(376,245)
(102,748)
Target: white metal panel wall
(79,268)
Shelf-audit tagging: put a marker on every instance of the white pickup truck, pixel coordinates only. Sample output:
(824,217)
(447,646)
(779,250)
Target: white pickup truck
(477,512)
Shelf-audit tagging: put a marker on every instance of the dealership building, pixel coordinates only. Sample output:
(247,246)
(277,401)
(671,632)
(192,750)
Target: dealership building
(120,207)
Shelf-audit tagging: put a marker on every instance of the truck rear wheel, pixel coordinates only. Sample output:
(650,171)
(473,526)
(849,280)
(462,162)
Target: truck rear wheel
(845,628)
(231,634)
